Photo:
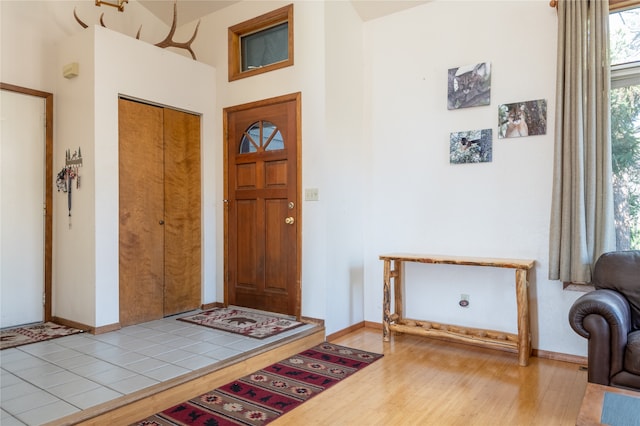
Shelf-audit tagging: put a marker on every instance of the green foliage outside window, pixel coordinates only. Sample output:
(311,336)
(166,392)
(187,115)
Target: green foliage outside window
(625,110)
(625,125)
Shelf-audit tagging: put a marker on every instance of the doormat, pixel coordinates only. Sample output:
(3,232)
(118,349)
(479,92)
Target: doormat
(620,410)
(261,397)
(244,322)
(18,336)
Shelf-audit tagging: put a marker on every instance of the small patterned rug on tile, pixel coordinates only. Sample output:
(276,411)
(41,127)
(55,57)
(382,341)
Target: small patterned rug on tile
(18,336)
(245,322)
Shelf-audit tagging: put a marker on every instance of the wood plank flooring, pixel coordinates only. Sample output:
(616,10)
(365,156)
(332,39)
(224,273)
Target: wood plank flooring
(419,381)
(422,381)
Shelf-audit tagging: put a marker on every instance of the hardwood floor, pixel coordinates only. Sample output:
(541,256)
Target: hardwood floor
(422,381)
(419,381)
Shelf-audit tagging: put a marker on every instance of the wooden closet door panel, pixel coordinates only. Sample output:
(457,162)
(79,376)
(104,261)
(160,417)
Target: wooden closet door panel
(141,232)
(182,212)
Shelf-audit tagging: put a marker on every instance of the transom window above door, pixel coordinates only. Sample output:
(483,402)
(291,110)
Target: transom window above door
(264,47)
(261,44)
(261,136)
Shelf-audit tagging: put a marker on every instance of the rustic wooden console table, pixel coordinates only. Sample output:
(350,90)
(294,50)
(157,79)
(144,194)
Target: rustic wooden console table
(520,343)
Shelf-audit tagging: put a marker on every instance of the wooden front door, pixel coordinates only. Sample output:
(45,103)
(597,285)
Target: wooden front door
(159,173)
(262,214)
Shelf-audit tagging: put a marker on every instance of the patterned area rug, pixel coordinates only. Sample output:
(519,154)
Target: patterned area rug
(18,336)
(244,322)
(263,396)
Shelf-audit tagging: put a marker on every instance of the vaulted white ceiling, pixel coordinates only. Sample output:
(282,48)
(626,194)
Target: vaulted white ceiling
(372,9)
(188,10)
(191,10)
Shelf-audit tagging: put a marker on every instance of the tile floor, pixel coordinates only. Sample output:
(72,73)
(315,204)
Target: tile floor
(48,380)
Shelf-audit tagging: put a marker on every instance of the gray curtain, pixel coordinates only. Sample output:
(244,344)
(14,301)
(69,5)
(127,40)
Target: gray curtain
(582,218)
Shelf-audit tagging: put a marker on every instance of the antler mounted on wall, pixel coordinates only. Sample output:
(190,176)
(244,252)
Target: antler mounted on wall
(168,41)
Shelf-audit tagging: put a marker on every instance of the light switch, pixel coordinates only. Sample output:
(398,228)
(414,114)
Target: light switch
(311,194)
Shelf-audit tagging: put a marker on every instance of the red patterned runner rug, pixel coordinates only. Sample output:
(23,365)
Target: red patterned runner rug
(263,396)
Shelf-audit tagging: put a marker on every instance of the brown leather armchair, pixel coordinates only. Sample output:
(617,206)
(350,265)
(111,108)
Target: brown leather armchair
(609,318)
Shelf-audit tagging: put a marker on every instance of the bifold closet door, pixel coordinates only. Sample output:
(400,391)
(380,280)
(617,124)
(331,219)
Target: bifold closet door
(160,229)
(141,198)
(182,229)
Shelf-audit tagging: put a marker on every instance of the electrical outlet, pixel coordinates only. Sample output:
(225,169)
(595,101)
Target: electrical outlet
(464,300)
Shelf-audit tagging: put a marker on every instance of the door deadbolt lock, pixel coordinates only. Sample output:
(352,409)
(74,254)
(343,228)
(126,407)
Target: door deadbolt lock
(290,220)
(291,205)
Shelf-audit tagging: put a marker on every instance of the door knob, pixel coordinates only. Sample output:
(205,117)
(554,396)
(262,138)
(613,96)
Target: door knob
(290,220)
(161,222)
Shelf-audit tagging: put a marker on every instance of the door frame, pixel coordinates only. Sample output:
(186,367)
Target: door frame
(48,172)
(297,96)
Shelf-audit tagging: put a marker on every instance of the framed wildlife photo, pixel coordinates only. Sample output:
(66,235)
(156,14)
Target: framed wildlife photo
(473,146)
(469,86)
(522,119)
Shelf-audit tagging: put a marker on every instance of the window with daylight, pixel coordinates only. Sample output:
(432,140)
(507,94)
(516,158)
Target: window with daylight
(261,44)
(624,33)
(261,136)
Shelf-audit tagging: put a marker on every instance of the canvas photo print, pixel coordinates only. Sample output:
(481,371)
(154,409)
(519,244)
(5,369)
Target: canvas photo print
(522,119)
(469,86)
(473,146)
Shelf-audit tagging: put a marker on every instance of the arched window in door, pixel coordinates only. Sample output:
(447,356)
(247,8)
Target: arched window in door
(261,136)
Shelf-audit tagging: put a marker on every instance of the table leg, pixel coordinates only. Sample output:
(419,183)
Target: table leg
(397,290)
(524,330)
(386,300)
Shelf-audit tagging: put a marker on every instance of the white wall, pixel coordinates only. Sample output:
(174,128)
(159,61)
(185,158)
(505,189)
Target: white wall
(421,203)
(391,189)
(328,64)
(344,161)
(306,76)
(113,64)
(31,30)
(74,238)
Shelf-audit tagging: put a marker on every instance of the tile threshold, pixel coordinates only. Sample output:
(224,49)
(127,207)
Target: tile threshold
(97,410)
